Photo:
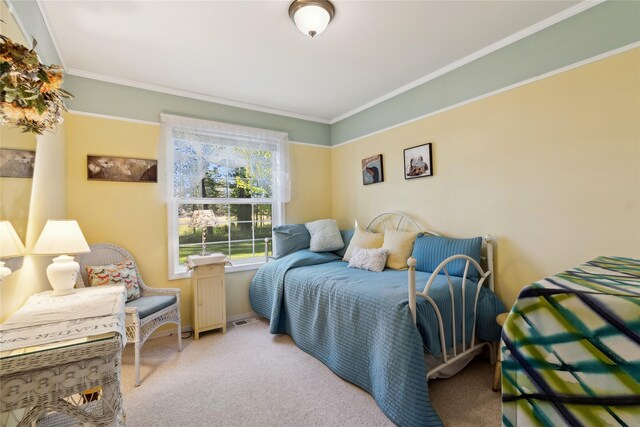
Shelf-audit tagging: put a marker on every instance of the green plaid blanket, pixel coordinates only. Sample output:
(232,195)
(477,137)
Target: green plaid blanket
(571,348)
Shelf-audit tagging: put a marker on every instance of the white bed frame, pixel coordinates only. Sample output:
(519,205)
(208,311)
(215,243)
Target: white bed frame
(456,357)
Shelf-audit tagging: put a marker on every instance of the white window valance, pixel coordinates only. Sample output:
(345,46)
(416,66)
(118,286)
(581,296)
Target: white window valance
(193,147)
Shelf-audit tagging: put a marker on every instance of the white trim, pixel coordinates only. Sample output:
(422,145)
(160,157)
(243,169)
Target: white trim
(309,144)
(192,95)
(182,273)
(241,316)
(501,90)
(433,113)
(532,29)
(52,35)
(158,333)
(146,122)
(108,117)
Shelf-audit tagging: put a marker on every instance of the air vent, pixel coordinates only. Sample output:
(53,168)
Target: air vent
(245,321)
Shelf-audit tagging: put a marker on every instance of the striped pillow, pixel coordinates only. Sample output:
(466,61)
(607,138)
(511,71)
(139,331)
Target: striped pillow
(430,251)
(123,273)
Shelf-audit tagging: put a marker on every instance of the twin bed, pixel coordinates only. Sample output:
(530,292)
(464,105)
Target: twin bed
(374,329)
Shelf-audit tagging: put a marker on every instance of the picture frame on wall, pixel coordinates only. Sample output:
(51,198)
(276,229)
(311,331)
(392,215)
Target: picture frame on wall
(121,169)
(372,172)
(17,163)
(418,162)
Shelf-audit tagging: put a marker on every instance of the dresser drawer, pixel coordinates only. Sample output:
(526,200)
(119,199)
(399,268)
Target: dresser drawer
(207,270)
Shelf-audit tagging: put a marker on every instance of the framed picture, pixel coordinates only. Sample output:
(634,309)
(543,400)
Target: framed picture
(372,170)
(16,163)
(418,162)
(124,169)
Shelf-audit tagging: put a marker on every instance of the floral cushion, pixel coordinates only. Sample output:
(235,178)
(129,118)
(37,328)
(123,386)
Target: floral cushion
(123,273)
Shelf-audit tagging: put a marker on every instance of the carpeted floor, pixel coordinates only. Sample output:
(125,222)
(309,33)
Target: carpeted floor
(249,377)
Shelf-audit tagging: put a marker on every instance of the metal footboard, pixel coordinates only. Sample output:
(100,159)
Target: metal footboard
(456,352)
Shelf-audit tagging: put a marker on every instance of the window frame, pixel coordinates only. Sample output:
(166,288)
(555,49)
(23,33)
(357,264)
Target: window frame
(175,269)
(179,271)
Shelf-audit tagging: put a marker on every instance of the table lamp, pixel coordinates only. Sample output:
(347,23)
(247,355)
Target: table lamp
(10,246)
(203,218)
(61,237)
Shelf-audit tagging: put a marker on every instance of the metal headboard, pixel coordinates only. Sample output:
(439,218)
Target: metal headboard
(394,219)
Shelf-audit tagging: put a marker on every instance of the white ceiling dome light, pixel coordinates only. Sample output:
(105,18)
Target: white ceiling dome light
(311,16)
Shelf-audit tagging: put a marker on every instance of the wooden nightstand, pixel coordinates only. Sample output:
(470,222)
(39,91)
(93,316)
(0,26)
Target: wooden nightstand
(497,376)
(209,306)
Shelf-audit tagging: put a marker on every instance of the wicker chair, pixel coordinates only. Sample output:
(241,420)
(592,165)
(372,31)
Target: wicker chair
(144,314)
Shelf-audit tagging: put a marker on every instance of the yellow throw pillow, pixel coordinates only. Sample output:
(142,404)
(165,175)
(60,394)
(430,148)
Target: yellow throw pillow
(400,246)
(365,240)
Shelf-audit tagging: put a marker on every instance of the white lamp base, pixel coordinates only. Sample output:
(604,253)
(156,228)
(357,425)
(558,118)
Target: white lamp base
(62,274)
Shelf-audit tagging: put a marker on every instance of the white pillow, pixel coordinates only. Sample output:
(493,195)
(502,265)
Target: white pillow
(325,235)
(363,239)
(368,259)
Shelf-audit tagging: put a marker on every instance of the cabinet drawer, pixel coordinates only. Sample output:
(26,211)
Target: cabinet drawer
(206,270)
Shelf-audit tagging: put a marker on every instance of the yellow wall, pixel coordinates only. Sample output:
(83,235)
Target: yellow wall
(551,169)
(133,215)
(48,197)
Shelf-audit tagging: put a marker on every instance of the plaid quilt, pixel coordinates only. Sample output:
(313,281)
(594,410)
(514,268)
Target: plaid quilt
(571,348)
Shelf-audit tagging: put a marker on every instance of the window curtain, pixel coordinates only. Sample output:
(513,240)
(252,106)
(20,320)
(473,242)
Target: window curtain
(190,147)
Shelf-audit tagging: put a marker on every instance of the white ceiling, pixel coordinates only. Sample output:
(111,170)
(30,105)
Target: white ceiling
(249,53)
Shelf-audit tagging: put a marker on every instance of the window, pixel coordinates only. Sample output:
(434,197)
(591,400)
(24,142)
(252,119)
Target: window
(239,173)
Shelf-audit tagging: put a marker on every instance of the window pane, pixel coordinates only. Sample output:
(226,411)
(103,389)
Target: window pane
(240,212)
(262,220)
(240,188)
(242,230)
(241,250)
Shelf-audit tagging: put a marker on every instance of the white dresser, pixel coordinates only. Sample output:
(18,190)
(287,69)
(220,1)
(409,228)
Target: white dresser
(209,306)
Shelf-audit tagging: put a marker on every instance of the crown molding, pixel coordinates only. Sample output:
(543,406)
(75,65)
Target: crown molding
(191,95)
(565,14)
(498,91)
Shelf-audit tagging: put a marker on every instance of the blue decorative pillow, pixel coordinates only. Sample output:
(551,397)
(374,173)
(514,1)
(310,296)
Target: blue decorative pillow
(347,235)
(289,238)
(430,251)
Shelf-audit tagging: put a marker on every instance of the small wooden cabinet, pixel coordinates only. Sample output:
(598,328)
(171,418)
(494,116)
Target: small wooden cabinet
(209,307)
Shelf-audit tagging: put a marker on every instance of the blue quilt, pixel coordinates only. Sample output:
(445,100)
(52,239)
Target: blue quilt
(358,324)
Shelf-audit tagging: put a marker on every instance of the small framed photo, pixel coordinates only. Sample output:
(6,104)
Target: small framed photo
(16,163)
(372,170)
(123,169)
(418,161)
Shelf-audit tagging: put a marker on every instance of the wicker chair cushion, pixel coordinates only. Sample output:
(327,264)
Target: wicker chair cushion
(151,304)
(123,273)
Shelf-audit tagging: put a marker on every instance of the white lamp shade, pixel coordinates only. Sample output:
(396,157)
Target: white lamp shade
(61,237)
(10,243)
(203,218)
(311,19)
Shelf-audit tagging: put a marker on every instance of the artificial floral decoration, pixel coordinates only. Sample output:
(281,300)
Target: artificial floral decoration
(30,92)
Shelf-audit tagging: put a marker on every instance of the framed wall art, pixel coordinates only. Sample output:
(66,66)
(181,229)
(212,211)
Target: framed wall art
(372,170)
(16,163)
(418,161)
(123,169)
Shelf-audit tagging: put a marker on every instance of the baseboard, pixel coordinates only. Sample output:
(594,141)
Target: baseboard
(240,316)
(189,328)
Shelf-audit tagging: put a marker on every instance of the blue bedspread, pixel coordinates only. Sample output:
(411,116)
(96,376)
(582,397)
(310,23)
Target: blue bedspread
(358,324)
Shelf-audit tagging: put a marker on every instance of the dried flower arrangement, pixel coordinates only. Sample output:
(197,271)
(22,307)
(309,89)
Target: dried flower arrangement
(30,92)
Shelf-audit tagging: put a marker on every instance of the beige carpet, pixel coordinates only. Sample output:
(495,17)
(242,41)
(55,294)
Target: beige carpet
(248,377)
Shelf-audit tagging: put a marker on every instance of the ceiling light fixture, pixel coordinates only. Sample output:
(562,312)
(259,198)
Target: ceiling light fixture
(311,16)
